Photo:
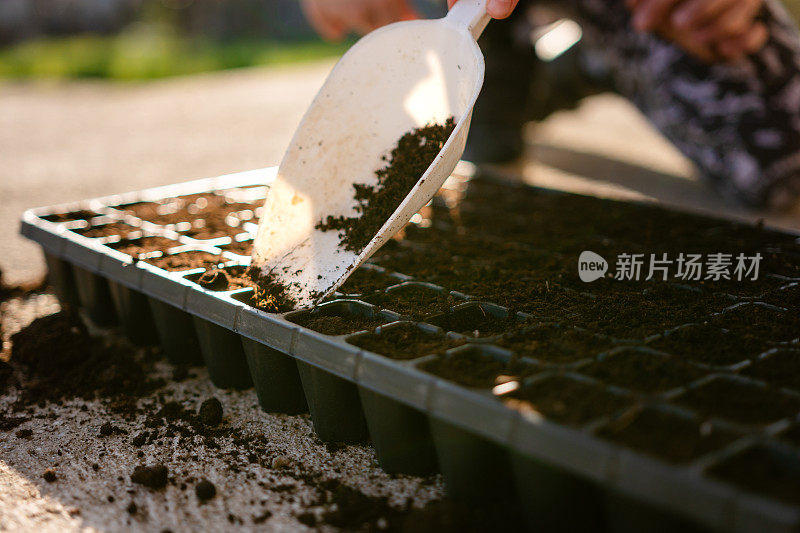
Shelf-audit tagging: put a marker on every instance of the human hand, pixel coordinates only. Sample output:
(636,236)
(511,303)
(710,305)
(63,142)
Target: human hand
(710,29)
(497,9)
(334,19)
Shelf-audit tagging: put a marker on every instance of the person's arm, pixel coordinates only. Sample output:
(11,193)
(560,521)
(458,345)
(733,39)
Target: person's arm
(709,29)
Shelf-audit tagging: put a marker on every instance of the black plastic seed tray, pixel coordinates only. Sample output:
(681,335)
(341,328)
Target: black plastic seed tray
(561,431)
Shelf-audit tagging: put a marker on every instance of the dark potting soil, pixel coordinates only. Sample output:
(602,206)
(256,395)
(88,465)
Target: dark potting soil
(211,412)
(81,214)
(414,153)
(366,281)
(566,400)
(709,344)
(186,260)
(740,402)
(405,341)
(668,436)
(59,359)
(791,435)
(414,301)
(474,321)
(477,370)
(554,344)
(106,230)
(205,490)
(788,297)
(642,372)
(779,369)
(761,322)
(184,208)
(143,245)
(241,248)
(330,324)
(763,471)
(212,226)
(267,295)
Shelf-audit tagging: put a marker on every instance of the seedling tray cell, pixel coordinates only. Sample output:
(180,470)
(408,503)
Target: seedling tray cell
(547,410)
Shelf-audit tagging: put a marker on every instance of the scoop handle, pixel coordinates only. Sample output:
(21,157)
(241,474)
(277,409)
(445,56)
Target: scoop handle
(469,15)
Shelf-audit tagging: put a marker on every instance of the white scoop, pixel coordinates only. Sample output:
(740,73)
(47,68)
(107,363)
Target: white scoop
(395,79)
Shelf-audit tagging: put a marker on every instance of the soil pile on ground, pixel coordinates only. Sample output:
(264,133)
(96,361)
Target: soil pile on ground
(60,359)
(414,153)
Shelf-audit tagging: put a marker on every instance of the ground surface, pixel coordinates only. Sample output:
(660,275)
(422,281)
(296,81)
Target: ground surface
(69,142)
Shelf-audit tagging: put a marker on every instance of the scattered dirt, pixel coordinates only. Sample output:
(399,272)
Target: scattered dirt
(49,475)
(414,153)
(764,472)
(405,341)
(267,295)
(668,436)
(643,372)
(330,324)
(211,412)
(740,402)
(472,368)
(186,260)
(566,400)
(205,490)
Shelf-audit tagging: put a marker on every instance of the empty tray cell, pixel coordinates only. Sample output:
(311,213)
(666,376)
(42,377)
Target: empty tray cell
(188,260)
(566,399)
(479,366)
(227,278)
(642,370)
(767,471)
(762,321)
(143,245)
(651,311)
(239,245)
(740,401)
(415,300)
(367,280)
(709,344)
(670,436)
(341,318)
(476,320)
(780,368)
(405,340)
(81,214)
(552,344)
(106,230)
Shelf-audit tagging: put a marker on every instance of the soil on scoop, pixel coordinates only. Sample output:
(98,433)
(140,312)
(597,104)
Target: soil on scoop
(366,281)
(414,153)
(476,370)
(267,295)
(106,230)
(740,402)
(673,438)
(330,324)
(566,400)
(642,372)
(414,301)
(405,341)
(779,369)
(709,344)
(143,245)
(186,260)
(554,345)
(763,471)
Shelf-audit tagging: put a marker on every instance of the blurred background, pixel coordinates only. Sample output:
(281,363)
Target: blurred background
(143,39)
